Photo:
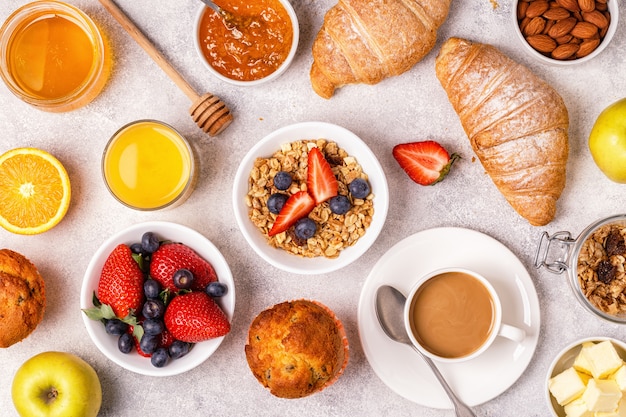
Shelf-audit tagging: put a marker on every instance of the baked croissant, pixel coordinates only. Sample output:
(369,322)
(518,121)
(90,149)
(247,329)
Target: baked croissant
(517,124)
(365,41)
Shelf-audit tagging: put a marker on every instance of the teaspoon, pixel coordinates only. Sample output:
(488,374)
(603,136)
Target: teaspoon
(389,311)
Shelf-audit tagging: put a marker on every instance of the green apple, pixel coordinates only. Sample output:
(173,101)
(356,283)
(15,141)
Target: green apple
(607,141)
(56,384)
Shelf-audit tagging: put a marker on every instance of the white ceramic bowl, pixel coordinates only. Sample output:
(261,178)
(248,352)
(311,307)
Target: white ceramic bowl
(355,147)
(279,71)
(565,358)
(613,10)
(108,344)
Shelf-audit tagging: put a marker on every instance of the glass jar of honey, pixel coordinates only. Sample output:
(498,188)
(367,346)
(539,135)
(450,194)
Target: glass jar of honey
(53,56)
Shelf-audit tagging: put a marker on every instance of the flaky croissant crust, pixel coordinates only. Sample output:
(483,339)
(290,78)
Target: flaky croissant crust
(365,41)
(517,124)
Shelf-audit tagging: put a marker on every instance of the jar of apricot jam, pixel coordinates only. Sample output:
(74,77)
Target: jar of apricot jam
(53,56)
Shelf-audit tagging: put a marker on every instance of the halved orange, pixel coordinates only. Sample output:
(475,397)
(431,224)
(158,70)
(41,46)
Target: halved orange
(34,191)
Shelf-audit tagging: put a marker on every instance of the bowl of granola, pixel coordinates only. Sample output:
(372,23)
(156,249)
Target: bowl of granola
(595,263)
(310,198)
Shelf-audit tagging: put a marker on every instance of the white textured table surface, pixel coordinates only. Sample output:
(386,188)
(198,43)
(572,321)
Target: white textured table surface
(406,108)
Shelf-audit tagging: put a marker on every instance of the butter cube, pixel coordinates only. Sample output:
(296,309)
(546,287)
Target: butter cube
(602,395)
(577,408)
(603,359)
(581,363)
(621,407)
(567,386)
(606,414)
(620,377)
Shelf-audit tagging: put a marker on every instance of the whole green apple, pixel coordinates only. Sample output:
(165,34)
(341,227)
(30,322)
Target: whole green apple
(56,384)
(607,141)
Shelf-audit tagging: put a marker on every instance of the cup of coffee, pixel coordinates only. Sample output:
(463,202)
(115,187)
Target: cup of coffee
(454,315)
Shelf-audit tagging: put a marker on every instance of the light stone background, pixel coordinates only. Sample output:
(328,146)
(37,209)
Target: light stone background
(407,108)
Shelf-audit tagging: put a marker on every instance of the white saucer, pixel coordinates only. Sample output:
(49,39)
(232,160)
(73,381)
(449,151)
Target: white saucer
(475,381)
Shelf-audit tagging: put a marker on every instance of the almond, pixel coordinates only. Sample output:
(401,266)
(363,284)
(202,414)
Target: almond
(587,47)
(556,13)
(564,51)
(562,27)
(537,8)
(587,5)
(542,43)
(601,6)
(564,39)
(535,26)
(522,6)
(584,30)
(597,18)
(571,5)
(523,24)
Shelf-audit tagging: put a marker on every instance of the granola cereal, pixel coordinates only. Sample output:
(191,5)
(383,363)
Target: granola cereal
(601,269)
(334,232)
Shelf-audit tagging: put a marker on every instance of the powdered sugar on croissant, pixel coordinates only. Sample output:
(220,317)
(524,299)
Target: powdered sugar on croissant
(365,41)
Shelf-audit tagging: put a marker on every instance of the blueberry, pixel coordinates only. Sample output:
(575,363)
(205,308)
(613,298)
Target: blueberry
(305,228)
(153,327)
(125,343)
(136,248)
(150,242)
(153,308)
(359,188)
(115,327)
(183,278)
(178,349)
(148,343)
(276,202)
(151,288)
(160,358)
(282,180)
(216,289)
(339,204)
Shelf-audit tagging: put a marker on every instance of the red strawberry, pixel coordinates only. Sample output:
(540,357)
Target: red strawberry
(320,181)
(195,317)
(121,282)
(296,207)
(171,257)
(426,163)
(166,339)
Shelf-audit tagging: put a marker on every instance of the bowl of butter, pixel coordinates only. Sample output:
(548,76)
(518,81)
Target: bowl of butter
(588,378)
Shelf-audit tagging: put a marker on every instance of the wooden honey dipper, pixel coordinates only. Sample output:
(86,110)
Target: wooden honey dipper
(208,111)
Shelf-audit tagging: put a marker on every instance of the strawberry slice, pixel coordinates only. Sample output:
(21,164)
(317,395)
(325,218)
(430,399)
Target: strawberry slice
(296,207)
(426,162)
(320,181)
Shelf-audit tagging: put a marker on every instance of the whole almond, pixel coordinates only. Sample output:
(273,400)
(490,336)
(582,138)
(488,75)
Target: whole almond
(564,51)
(542,43)
(556,13)
(596,17)
(564,39)
(537,8)
(562,27)
(587,47)
(571,5)
(522,6)
(601,6)
(587,5)
(535,26)
(584,30)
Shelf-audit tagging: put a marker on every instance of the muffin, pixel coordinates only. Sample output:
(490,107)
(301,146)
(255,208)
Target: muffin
(296,348)
(22,297)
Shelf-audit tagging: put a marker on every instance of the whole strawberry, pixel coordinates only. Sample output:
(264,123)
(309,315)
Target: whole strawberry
(121,282)
(195,317)
(171,257)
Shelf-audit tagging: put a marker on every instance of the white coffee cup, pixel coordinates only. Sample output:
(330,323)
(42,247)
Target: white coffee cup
(454,315)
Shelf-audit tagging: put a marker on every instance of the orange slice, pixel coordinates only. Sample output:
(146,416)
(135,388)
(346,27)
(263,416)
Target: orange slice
(34,191)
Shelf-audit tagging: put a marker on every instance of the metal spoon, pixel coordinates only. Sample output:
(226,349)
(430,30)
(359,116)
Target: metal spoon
(389,311)
(232,20)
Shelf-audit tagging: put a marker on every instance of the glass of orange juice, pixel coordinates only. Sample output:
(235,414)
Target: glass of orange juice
(148,165)
(53,56)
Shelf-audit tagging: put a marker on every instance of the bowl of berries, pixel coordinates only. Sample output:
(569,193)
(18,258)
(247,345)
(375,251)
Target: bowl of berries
(310,198)
(157,298)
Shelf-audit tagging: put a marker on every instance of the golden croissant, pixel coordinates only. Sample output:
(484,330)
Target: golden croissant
(516,122)
(365,41)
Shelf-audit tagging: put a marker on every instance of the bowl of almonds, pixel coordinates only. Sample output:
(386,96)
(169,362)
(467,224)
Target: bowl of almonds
(565,32)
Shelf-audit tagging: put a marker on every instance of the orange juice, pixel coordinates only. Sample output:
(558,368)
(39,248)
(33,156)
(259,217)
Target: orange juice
(147,165)
(53,56)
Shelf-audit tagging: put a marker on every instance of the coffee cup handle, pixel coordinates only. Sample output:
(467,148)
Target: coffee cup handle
(511,332)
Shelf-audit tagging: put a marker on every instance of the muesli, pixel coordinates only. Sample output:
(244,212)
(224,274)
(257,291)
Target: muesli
(334,232)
